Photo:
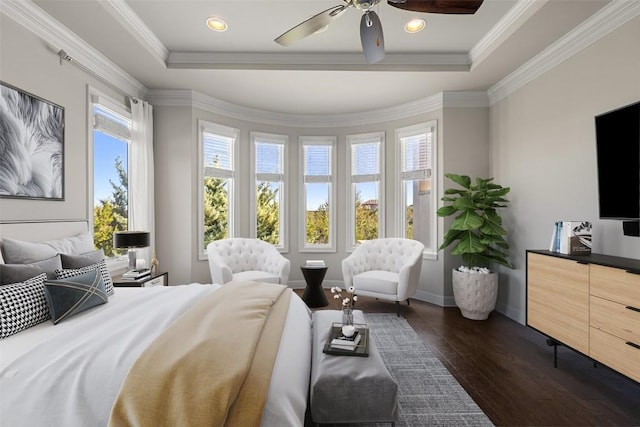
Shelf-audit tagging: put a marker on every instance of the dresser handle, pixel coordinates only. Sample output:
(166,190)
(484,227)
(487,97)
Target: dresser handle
(634,345)
(632,308)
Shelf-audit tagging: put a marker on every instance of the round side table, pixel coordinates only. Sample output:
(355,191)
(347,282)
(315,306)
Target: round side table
(313,294)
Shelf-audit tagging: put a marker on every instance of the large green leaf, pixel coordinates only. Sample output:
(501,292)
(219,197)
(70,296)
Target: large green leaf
(467,220)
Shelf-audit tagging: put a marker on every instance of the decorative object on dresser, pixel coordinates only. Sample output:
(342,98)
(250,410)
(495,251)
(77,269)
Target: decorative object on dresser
(571,237)
(131,240)
(477,235)
(589,303)
(32,155)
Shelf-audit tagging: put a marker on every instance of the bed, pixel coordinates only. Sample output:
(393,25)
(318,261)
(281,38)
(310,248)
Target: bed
(75,372)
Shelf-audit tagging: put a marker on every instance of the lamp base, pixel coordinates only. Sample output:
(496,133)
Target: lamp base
(132,259)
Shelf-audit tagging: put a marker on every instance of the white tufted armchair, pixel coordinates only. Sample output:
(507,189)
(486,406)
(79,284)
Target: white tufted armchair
(246,259)
(388,269)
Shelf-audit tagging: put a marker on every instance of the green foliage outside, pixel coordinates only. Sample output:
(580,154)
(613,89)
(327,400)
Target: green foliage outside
(268,213)
(366,221)
(216,210)
(111,214)
(318,225)
(409,222)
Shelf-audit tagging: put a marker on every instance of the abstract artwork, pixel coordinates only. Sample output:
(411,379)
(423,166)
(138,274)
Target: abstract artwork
(31,146)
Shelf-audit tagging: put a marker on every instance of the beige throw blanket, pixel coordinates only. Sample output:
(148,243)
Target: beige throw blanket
(212,366)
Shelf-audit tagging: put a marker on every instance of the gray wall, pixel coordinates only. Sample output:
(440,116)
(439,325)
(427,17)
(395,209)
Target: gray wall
(543,147)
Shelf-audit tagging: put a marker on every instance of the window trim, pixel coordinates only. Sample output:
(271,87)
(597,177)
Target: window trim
(229,132)
(330,141)
(361,138)
(283,140)
(95,96)
(431,250)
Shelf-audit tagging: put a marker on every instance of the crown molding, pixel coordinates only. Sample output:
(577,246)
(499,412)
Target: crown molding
(605,21)
(192,99)
(318,61)
(58,37)
(465,99)
(121,11)
(510,22)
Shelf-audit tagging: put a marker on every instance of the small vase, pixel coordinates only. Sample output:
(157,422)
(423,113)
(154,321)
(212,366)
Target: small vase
(347,316)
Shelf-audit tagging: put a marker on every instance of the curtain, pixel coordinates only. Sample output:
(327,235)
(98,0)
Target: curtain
(142,210)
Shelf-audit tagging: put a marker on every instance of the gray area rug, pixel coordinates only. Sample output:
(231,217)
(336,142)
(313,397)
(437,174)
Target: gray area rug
(428,394)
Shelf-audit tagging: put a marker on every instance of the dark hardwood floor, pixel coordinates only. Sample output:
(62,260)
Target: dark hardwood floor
(507,369)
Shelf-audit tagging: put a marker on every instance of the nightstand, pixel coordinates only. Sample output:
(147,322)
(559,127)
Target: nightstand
(158,279)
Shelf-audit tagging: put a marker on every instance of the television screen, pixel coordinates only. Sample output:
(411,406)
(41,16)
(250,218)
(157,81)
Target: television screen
(618,157)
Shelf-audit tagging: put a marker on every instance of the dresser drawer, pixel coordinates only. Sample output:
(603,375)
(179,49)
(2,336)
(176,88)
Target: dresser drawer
(615,284)
(615,353)
(620,320)
(157,281)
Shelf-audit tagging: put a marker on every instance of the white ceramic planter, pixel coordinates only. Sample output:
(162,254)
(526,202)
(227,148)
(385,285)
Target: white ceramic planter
(475,294)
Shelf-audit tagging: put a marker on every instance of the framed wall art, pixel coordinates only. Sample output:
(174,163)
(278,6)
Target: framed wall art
(31,146)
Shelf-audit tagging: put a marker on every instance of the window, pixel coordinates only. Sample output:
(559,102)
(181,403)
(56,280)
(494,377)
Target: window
(416,202)
(366,204)
(218,175)
(268,196)
(317,201)
(111,135)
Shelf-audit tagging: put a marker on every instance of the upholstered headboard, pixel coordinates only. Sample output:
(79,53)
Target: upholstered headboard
(36,231)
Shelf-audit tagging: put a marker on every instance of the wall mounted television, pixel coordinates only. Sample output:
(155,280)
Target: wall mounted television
(618,161)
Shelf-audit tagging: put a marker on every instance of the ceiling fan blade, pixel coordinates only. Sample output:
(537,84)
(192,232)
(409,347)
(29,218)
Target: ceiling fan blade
(455,7)
(371,37)
(311,25)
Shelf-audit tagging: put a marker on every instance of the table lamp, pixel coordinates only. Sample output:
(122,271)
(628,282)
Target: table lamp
(131,240)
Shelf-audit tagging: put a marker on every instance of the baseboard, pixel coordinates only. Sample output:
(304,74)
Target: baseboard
(436,299)
(511,313)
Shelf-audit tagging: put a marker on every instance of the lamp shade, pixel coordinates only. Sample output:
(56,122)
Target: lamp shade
(130,239)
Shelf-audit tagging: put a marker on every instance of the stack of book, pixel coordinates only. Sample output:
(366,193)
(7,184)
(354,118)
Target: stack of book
(314,263)
(346,343)
(134,275)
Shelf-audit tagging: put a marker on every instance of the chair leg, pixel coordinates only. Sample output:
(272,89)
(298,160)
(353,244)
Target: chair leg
(398,308)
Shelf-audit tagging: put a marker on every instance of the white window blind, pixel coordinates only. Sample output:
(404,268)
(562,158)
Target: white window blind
(415,152)
(365,161)
(218,155)
(111,123)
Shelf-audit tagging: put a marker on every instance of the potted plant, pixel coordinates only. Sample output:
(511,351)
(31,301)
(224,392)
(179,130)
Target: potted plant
(478,236)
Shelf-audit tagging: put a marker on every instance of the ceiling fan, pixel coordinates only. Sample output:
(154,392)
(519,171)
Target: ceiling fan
(371,35)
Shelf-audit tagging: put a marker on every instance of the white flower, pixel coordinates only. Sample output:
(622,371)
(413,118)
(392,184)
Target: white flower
(345,301)
(336,296)
(355,298)
(352,289)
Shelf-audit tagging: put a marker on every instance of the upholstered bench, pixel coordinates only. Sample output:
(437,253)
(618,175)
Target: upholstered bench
(349,389)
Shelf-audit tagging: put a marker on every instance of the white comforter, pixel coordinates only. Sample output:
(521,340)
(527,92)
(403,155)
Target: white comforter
(69,374)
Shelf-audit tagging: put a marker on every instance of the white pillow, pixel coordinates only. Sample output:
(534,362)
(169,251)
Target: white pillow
(21,252)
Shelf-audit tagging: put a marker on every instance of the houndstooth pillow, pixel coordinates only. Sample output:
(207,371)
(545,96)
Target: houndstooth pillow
(23,305)
(101,266)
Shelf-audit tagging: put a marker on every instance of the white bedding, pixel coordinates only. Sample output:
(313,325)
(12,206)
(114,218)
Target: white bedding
(69,374)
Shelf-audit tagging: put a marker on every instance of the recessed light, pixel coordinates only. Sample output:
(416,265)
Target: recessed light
(415,25)
(217,24)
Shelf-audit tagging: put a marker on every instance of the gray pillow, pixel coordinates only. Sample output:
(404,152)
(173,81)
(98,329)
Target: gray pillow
(74,294)
(100,266)
(13,273)
(82,260)
(21,252)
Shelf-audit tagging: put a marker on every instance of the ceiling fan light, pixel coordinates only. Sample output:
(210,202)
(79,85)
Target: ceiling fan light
(217,24)
(415,25)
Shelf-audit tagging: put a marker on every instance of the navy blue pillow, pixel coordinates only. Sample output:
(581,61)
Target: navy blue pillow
(74,294)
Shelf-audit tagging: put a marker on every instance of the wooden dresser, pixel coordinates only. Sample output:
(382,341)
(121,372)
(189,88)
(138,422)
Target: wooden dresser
(590,303)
